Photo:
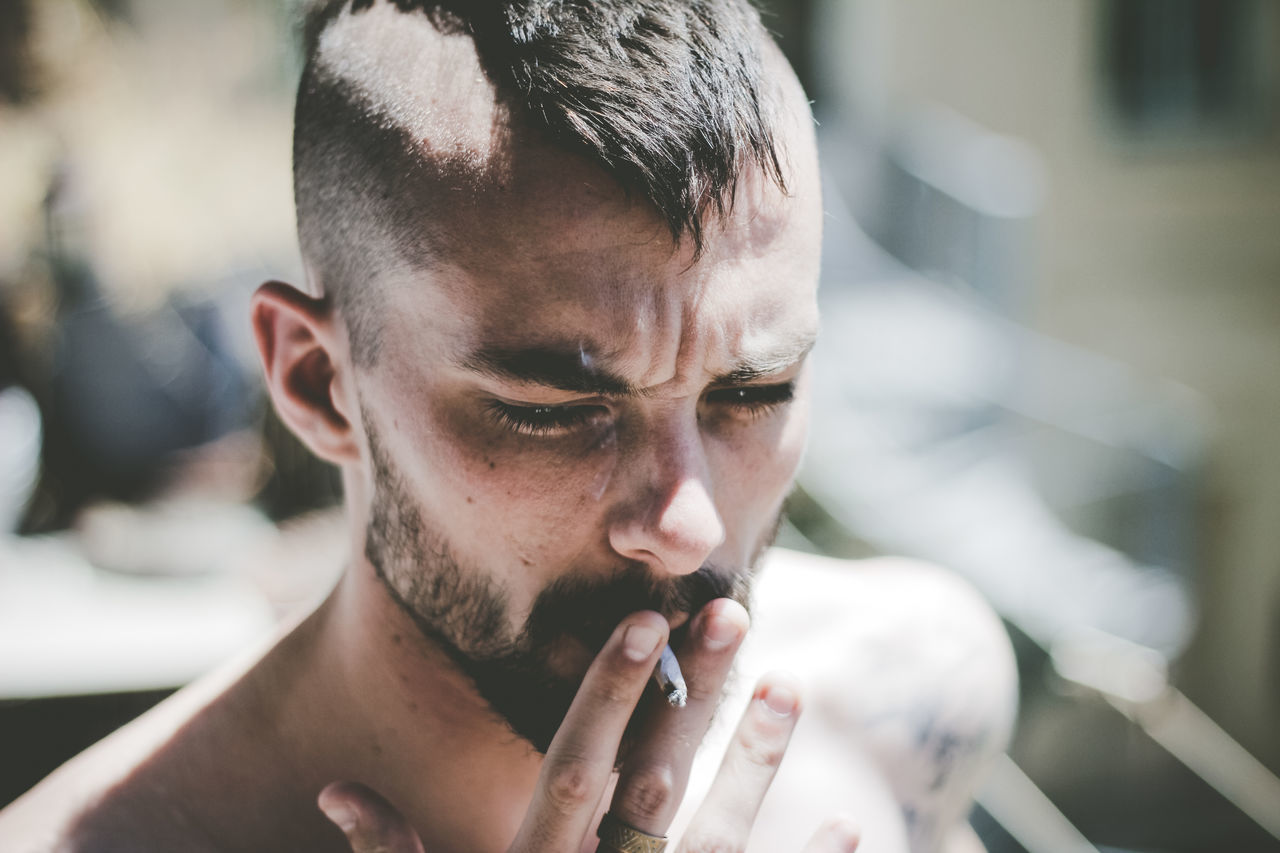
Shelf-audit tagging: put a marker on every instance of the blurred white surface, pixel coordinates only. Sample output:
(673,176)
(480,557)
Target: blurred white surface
(19,453)
(67,628)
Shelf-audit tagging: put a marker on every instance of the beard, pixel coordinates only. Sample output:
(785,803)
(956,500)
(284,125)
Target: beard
(465,612)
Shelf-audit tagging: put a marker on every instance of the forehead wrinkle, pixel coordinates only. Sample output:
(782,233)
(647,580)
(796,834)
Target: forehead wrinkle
(651,327)
(577,367)
(754,343)
(556,365)
(753,366)
(697,334)
(660,344)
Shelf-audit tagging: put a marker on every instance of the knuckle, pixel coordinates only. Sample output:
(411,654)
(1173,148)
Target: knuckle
(703,842)
(649,791)
(760,749)
(617,691)
(569,786)
(617,686)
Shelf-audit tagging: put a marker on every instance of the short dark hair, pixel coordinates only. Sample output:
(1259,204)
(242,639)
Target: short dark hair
(668,96)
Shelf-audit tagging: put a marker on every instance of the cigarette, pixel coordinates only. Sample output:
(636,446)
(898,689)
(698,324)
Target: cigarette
(670,681)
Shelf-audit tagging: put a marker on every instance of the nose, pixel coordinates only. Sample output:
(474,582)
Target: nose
(668,520)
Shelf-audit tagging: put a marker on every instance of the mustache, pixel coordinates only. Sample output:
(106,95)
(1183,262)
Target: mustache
(589,608)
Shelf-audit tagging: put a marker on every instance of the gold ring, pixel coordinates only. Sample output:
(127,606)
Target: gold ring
(617,835)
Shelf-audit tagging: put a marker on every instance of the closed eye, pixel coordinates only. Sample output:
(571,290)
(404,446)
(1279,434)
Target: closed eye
(753,400)
(543,420)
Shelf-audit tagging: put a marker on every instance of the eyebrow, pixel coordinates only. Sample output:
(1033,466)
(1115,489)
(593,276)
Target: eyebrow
(565,368)
(576,370)
(763,365)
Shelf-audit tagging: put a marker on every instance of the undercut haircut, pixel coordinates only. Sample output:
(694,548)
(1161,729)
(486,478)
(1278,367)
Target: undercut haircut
(667,96)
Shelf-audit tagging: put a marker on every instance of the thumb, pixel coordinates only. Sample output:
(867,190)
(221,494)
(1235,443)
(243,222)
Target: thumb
(371,824)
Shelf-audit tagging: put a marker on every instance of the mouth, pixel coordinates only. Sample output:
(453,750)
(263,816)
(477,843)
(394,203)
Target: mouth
(680,623)
(569,655)
(571,652)
(572,620)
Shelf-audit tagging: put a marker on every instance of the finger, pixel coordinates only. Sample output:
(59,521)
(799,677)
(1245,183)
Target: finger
(724,820)
(837,835)
(652,782)
(371,824)
(581,757)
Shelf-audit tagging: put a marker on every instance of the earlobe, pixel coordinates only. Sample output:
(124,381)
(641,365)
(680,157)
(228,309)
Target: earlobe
(301,354)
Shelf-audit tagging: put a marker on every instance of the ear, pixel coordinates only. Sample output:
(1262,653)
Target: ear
(304,358)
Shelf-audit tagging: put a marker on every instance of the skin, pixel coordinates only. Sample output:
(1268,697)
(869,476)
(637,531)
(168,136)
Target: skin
(669,467)
(682,470)
(675,466)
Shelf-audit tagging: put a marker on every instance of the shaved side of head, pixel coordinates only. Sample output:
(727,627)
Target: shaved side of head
(395,127)
(412,115)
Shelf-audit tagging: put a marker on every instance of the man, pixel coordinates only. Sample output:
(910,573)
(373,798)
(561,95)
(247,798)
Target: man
(561,264)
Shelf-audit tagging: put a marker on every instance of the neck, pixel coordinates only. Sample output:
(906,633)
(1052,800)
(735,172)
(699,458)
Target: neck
(370,699)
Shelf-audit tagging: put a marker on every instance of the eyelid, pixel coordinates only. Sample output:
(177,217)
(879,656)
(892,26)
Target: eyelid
(541,420)
(769,382)
(558,419)
(755,396)
(522,402)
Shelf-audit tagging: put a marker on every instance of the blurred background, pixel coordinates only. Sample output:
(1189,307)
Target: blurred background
(1051,362)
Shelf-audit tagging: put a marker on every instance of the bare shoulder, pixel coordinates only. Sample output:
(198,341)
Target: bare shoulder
(906,664)
(96,800)
(138,788)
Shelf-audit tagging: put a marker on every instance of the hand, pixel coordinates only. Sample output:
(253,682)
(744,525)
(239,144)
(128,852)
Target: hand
(651,784)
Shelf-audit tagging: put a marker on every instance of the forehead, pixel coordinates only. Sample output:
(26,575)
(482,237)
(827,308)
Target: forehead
(558,256)
(528,243)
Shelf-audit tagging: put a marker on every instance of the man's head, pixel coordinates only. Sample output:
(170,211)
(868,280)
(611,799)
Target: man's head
(564,260)
(408,109)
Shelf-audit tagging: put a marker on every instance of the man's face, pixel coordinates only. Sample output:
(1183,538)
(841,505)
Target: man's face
(569,421)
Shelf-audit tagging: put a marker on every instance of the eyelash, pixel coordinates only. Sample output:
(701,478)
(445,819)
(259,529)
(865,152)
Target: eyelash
(753,401)
(539,421)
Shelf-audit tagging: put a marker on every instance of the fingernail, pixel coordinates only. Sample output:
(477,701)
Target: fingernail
(719,632)
(341,814)
(780,700)
(640,641)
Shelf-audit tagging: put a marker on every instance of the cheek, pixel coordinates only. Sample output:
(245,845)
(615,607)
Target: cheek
(756,468)
(529,492)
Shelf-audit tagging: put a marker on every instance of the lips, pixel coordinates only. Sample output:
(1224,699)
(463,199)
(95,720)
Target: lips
(594,631)
(588,610)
